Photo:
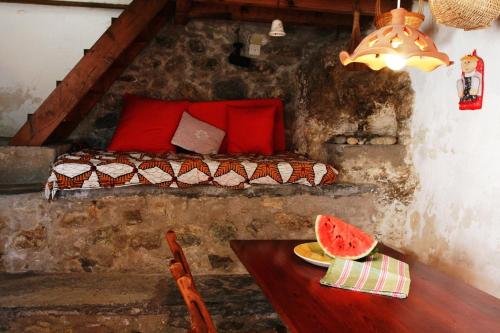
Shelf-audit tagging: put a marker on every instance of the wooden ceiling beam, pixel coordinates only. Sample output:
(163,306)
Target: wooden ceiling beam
(367,7)
(262,14)
(182,8)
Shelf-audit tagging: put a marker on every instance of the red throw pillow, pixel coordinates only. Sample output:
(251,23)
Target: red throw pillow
(147,125)
(250,130)
(279,126)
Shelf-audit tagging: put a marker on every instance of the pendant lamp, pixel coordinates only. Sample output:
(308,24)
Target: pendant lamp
(395,46)
(277,29)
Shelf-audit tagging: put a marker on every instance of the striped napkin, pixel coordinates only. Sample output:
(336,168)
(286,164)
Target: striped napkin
(379,274)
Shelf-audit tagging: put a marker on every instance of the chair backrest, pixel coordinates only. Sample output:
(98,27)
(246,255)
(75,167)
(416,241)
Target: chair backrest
(201,322)
(177,251)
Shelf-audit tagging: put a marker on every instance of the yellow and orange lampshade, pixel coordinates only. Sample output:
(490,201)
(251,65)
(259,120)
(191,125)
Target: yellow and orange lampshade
(395,46)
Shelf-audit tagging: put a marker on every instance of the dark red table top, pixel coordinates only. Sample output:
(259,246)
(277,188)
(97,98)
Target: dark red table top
(436,303)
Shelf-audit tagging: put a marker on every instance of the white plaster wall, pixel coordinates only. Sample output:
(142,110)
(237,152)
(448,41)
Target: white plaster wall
(454,222)
(39,45)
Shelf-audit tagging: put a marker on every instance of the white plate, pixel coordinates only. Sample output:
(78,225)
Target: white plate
(313,254)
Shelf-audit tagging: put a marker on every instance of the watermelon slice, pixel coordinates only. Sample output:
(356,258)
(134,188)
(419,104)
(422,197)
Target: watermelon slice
(341,240)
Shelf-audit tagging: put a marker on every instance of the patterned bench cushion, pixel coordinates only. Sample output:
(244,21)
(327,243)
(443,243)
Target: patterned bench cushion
(99,169)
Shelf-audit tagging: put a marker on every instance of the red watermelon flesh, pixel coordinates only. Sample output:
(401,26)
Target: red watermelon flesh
(339,239)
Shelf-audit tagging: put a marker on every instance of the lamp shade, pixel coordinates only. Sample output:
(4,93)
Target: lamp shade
(277,29)
(396,46)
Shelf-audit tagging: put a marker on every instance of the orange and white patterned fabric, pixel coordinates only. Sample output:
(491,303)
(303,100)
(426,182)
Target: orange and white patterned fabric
(99,169)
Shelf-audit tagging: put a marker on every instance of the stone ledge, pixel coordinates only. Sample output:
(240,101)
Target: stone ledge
(339,153)
(26,164)
(338,190)
(368,164)
(201,191)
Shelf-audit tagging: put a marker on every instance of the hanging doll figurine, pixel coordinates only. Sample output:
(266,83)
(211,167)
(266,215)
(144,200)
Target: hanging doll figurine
(471,85)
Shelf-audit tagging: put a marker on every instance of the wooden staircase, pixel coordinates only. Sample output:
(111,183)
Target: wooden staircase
(92,76)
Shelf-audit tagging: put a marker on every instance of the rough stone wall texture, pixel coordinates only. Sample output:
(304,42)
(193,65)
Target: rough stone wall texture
(322,98)
(125,233)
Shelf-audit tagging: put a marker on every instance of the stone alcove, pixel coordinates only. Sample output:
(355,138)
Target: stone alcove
(322,99)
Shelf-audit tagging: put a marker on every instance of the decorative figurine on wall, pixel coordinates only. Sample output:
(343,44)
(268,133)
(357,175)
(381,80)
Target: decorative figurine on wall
(471,85)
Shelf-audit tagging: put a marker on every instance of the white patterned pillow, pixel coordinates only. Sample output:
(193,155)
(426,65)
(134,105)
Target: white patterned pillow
(197,136)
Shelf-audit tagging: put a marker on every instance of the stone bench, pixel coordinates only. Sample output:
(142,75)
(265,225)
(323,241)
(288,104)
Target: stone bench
(117,230)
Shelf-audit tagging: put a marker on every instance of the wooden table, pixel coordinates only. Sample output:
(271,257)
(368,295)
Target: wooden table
(436,303)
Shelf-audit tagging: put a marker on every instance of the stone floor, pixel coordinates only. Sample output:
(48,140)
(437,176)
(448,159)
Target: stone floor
(117,302)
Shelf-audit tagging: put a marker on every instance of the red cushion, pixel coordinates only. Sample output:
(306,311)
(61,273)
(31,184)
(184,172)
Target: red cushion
(214,113)
(147,125)
(250,130)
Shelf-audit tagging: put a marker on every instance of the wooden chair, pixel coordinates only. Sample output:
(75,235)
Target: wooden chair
(177,252)
(201,321)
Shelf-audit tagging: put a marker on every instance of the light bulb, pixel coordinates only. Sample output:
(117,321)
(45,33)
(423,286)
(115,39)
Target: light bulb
(395,62)
(395,43)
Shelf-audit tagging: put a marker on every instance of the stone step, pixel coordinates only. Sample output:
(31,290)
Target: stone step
(122,302)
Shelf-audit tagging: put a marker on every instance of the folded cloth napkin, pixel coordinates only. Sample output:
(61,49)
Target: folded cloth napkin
(379,274)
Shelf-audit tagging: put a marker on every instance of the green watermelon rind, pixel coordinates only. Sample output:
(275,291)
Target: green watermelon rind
(371,251)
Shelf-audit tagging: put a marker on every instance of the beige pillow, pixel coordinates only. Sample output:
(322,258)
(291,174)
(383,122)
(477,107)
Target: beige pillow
(198,136)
